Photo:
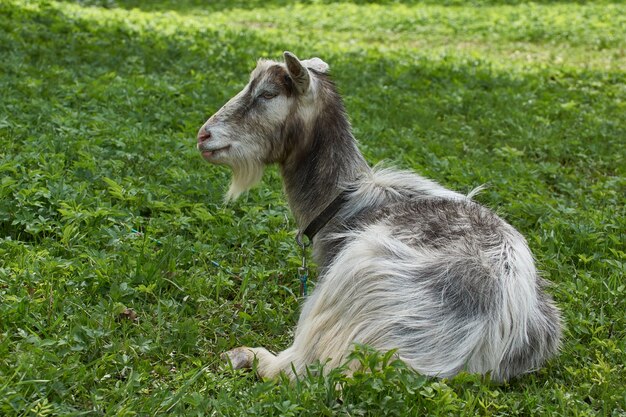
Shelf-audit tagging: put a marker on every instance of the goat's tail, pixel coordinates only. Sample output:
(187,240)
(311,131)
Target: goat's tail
(542,341)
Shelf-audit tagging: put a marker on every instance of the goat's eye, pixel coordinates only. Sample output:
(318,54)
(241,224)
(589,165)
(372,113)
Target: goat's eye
(267,95)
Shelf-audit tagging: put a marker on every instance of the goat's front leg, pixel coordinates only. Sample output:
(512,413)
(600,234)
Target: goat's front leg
(243,357)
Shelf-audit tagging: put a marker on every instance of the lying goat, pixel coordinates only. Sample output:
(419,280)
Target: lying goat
(403,262)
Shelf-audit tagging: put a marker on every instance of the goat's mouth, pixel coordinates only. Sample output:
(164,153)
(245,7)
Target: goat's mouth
(211,154)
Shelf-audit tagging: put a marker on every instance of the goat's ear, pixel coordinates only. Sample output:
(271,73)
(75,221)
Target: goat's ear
(316,64)
(298,72)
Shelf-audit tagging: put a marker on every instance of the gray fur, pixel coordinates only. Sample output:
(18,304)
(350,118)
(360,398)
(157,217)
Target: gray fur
(405,264)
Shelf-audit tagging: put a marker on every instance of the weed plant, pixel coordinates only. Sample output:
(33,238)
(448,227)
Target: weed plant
(123,276)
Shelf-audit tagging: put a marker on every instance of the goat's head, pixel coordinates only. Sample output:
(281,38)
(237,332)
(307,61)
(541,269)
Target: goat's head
(263,123)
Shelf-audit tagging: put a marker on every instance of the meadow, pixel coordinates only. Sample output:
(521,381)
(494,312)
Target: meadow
(123,275)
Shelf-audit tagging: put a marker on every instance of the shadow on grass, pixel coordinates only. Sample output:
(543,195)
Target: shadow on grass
(222,5)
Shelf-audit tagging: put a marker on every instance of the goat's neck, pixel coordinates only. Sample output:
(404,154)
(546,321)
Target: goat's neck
(316,174)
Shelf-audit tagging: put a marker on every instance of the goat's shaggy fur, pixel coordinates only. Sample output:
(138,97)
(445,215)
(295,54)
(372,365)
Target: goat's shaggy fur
(405,264)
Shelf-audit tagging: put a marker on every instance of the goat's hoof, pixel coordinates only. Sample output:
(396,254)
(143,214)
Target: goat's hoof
(239,358)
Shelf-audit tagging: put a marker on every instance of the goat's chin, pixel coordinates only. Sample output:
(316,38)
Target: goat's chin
(246,175)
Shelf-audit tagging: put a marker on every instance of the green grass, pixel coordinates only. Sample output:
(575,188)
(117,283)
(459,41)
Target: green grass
(99,105)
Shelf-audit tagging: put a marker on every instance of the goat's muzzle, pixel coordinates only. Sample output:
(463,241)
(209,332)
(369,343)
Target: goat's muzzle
(207,147)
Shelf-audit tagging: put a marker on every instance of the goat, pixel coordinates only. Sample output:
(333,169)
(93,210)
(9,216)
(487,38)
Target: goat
(403,262)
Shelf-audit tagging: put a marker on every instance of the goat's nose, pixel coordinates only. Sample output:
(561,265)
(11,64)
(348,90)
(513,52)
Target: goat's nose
(204,134)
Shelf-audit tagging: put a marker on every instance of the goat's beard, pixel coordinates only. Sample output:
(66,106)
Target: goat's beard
(246,174)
